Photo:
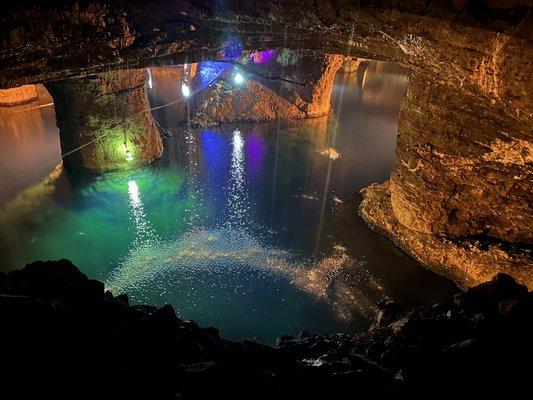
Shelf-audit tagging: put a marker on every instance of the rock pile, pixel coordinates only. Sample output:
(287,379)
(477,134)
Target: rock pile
(62,335)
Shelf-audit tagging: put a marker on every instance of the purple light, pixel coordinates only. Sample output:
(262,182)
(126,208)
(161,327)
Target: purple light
(255,153)
(263,57)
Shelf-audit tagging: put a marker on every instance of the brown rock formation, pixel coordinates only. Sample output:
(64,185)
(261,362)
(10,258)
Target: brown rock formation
(465,261)
(253,102)
(462,168)
(463,175)
(295,89)
(351,65)
(105,115)
(17,96)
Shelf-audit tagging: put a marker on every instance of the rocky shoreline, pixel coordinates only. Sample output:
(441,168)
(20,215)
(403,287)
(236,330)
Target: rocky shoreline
(61,331)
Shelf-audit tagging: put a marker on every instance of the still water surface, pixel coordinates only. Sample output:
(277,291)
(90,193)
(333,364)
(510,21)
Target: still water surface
(249,228)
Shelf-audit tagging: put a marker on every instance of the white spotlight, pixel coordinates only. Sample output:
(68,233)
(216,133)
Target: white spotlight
(238,78)
(185,90)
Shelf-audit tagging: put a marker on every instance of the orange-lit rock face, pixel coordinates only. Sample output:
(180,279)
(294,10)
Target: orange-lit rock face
(468,262)
(351,65)
(298,88)
(462,168)
(19,95)
(464,165)
(110,111)
(462,188)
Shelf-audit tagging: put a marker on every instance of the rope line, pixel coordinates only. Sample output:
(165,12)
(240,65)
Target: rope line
(7,180)
(129,120)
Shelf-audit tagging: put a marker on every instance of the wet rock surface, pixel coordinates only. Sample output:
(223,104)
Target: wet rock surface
(291,86)
(106,115)
(61,330)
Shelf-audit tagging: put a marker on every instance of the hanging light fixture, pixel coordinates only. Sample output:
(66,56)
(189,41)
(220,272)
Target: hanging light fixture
(129,156)
(185,90)
(238,78)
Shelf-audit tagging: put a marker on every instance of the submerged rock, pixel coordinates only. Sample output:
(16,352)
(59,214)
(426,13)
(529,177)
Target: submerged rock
(62,330)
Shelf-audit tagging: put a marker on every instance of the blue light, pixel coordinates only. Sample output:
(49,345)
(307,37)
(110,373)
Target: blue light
(209,70)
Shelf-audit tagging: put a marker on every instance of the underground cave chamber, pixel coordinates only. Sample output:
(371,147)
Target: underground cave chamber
(231,201)
(332,175)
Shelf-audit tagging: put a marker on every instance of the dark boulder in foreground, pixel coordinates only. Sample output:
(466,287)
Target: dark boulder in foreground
(63,336)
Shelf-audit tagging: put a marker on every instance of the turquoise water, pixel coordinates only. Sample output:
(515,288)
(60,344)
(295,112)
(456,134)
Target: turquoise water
(250,228)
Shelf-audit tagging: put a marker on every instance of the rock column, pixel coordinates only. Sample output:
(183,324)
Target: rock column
(460,199)
(111,112)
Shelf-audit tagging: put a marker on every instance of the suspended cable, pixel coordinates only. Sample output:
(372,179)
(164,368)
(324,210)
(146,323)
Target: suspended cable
(132,118)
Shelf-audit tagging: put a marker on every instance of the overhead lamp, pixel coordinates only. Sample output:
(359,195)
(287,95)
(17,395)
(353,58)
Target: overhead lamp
(185,90)
(129,156)
(238,78)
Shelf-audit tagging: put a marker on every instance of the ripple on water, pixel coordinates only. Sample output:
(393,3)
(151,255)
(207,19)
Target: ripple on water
(220,254)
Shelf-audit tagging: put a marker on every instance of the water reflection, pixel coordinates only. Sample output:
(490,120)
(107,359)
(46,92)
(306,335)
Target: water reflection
(250,228)
(238,202)
(144,232)
(29,144)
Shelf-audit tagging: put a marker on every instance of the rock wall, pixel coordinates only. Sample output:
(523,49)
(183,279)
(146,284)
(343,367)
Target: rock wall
(17,96)
(351,65)
(463,169)
(106,115)
(460,198)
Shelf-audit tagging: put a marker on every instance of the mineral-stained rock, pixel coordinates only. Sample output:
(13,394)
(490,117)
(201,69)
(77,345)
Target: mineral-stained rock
(17,96)
(351,65)
(105,116)
(59,325)
(290,87)
(463,168)
(460,198)
(253,102)
(466,261)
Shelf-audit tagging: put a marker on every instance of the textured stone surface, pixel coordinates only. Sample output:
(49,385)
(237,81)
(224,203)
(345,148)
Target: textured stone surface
(351,65)
(290,87)
(462,168)
(110,113)
(17,96)
(59,325)
(463,174)
(468,262)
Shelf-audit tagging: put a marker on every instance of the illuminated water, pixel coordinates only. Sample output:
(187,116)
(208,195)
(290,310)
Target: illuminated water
(253,231)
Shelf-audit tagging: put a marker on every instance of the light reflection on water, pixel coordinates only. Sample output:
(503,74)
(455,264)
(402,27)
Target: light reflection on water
(250,228)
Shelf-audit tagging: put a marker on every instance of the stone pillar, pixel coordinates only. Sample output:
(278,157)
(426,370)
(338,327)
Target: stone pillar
(460,198)
(463,169)
(315,71)
(110,110)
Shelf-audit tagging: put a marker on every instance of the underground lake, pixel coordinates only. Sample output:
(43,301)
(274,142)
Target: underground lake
(249,227)
(266,199)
